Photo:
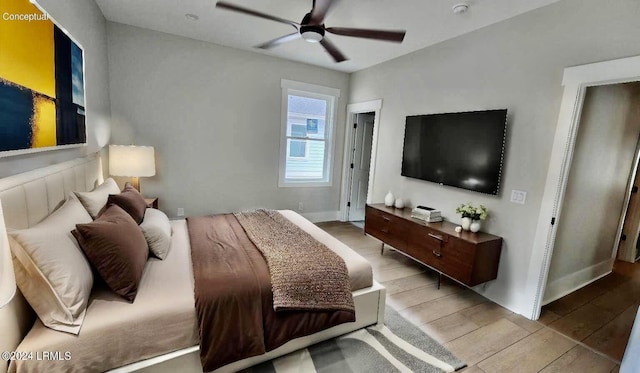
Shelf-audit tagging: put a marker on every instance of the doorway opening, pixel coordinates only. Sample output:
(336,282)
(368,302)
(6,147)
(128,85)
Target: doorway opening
(591,293)
(575,81)
(598,190)
(362,134)
(359,161)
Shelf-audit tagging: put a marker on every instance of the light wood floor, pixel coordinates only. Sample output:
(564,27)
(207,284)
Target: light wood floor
(488,337)
(601,314)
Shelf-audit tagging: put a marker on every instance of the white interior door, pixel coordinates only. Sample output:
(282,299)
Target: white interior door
(361,160)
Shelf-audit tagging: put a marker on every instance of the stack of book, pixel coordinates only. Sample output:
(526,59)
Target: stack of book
(427,214)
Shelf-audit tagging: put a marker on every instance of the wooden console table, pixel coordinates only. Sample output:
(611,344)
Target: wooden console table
(469,258)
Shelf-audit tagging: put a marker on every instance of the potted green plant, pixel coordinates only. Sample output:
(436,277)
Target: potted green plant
(471,216)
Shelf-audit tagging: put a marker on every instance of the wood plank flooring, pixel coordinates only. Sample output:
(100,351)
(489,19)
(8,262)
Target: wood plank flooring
(601,314)
(488,337)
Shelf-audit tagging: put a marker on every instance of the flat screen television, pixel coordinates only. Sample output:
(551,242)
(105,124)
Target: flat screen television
(463,150)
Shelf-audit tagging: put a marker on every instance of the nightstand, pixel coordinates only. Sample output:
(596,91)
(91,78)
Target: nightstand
(152,202)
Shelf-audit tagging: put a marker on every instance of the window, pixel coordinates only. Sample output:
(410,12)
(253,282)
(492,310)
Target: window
(308,115)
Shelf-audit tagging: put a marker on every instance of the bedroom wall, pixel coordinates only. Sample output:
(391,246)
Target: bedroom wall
(213,115)
(85,22)
(516,64)
(603,159)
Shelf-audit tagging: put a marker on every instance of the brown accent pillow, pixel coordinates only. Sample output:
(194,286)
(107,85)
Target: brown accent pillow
(131,201)
(116,247)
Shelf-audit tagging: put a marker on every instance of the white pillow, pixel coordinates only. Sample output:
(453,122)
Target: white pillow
(51,269)
(95,200)
(157,232)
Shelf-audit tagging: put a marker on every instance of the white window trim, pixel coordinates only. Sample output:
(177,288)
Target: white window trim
(313,91)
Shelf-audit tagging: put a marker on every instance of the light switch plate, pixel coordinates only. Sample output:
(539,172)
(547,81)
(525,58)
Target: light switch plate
(518,196)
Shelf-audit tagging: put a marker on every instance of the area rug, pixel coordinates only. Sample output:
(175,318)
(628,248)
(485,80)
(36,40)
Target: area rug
(398,346)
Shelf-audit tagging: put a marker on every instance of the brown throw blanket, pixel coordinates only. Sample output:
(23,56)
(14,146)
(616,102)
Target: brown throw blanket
(234,301)
(305,274)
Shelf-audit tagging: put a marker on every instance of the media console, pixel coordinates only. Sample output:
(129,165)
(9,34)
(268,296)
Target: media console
(469,258)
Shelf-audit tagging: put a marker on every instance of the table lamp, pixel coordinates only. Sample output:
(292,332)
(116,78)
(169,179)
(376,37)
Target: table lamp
(7,277)
(132,161)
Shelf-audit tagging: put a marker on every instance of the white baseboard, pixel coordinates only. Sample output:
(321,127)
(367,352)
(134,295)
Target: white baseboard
(318,217)
(570,283)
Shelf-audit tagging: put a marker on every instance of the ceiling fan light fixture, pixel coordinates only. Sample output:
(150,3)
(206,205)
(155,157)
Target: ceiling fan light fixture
(312,36)
(312,33)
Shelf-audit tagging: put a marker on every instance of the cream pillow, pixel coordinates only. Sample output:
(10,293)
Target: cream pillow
(157,231)
(95,200)
(51,269)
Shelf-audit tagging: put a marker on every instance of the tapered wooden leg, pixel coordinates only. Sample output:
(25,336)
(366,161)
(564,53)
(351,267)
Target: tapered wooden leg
(382,249)
(439,279)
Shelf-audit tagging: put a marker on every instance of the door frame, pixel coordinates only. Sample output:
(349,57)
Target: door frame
(374,106)
(625,210)
(575,80)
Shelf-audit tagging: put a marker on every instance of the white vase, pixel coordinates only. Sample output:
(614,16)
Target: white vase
(475,226)
(466,223)
(389,200)
(399,203)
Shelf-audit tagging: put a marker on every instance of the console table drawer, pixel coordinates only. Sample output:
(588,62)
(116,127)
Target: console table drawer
(451,263)
(445,253)
(387,228)
(423,242)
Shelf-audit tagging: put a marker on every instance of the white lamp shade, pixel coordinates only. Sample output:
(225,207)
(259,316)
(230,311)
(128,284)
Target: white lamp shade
(7,277)
(132,161)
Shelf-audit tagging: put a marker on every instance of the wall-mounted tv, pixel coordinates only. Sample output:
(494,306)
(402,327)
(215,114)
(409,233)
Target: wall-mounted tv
(463,150)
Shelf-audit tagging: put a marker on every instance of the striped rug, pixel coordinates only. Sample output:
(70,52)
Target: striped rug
(398,346)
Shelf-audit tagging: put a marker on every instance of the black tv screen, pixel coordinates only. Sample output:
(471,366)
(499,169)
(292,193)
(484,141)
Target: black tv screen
(463,150)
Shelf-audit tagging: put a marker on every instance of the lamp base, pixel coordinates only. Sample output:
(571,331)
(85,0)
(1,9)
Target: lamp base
(135,182)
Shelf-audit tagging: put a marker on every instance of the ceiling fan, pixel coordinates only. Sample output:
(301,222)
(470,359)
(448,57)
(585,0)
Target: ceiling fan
(312,28)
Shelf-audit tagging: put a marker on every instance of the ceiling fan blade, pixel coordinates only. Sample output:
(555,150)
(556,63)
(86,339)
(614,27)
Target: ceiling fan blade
(332,50)
(386,35)
(319,11)
(277,41)
(239,9)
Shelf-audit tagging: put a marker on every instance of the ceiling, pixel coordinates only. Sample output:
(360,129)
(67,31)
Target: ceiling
(427,22)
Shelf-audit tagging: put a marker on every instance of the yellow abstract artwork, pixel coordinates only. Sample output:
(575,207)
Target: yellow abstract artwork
(42,99)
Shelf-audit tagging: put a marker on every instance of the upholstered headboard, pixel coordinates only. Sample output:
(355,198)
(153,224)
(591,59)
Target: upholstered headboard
(27,199)
(30,197)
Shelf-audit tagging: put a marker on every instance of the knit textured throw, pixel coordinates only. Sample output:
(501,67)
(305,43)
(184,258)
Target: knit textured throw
(305,274)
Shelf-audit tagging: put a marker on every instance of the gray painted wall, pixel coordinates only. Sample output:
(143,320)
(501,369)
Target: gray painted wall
(602,164)
(85,22)
(213,114)
(516,64)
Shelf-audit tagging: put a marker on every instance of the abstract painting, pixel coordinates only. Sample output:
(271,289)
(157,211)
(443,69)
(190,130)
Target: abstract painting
(42,99)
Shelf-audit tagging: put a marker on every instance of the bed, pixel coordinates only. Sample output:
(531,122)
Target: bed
(159,331)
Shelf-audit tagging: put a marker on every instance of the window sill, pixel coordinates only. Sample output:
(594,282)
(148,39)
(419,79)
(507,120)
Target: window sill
(304,184)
